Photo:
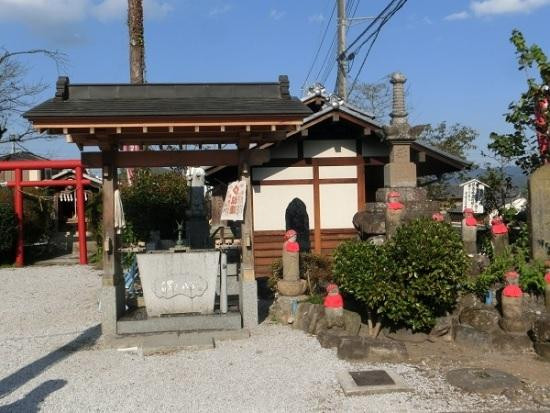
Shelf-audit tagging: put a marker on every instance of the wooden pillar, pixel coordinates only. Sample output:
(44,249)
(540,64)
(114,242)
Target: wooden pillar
(247,226)
(112,291)
(112,271)
(316,211)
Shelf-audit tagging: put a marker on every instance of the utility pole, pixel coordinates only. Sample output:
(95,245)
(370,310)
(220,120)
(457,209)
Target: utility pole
(341,86)
(137,41)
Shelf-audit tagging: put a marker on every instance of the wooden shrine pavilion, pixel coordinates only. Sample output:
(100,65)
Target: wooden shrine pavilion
(231,118)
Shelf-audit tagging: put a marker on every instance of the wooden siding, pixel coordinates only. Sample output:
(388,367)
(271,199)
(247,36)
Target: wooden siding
(268,246)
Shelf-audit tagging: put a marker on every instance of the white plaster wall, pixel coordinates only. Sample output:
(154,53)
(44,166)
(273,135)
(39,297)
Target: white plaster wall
(348,171)
(275,173)
(285,150)
(338,205)
(329,149)
(271,201)
(373,147)
(35,175)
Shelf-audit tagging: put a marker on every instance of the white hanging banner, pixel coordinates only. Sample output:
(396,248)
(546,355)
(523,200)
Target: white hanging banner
(235,198)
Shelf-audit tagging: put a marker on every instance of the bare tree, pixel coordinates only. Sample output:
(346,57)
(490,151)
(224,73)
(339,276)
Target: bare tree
(16,95)
(137,41)
(374,98)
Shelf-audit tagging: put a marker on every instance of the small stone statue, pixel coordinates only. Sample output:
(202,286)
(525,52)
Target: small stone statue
(291,284)
(334,307)
(499,232)
(547,290)
(513,320)
(394,213)
(469,232)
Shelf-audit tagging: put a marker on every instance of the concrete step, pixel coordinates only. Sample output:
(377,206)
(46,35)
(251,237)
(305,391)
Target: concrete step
(195,322)
(169,342)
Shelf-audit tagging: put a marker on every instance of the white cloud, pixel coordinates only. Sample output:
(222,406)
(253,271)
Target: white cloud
(276,14)
(219,10)
(53,12)
(118,9)
(44,11)
(494,7)
(316,18)
(461,15)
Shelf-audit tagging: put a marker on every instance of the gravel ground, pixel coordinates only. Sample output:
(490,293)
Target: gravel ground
(44,309)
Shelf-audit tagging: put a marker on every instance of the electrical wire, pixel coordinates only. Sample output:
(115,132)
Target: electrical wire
(384,17)
(320,45)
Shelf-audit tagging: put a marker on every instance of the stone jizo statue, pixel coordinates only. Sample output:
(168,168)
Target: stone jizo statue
(469,232)
(394,213)
(291,284)
(334,307)
(499,232)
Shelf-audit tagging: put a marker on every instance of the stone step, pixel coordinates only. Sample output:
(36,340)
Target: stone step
(170,342)
(198,322)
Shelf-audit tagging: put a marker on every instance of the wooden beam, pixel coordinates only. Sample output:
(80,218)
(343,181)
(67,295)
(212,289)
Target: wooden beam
(174,158)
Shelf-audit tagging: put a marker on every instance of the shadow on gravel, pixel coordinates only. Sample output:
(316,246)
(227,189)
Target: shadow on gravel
(34,369)
(32,400)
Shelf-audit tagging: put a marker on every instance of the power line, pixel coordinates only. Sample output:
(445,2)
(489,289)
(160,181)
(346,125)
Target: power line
(320,45)
(384,16)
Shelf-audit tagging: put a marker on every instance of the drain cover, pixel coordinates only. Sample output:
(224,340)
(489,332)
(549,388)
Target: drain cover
(371,378)
(370,382)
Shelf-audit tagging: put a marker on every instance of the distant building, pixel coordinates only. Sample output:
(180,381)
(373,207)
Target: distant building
(31,175)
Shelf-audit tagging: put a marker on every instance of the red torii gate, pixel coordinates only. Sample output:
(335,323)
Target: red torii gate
(18,183)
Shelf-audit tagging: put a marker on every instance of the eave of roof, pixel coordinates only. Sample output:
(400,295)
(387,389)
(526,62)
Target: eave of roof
(438,153)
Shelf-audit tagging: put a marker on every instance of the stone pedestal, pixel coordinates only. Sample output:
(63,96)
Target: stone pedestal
(291,288)
(500,244)
(469,238)
(539,212)
(400,174)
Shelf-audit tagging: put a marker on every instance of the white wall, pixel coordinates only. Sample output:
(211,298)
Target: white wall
(276,173)
(329,149)
(338,205)
(348,171)
(271,201)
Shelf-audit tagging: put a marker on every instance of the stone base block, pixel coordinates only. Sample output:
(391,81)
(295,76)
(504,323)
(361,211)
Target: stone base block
(112,307)
(402,174)
(331,338)
(408,193)
(515,326)
(543,350)
(373,349)
(249,303)
(511,343)
(282,309)
(470,337)
(291,288)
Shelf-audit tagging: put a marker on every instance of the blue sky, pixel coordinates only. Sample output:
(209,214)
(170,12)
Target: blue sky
(455,53)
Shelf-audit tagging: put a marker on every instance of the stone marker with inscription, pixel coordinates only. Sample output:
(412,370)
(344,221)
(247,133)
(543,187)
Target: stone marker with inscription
(539,212)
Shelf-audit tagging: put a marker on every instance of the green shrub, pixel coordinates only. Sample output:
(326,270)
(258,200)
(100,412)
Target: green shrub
(314,268)
(409,281)
(155,202)
(531,273)
(8,227)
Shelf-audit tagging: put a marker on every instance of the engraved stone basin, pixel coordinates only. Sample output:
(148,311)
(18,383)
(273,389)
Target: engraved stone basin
(178,283)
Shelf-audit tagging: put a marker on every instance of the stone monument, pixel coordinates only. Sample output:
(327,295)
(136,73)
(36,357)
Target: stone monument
(291,285)
(547,290)
(539,212)
(469,232)
(198,230)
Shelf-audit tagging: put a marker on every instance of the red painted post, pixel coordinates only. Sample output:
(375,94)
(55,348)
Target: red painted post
(18,206)
(81,214)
